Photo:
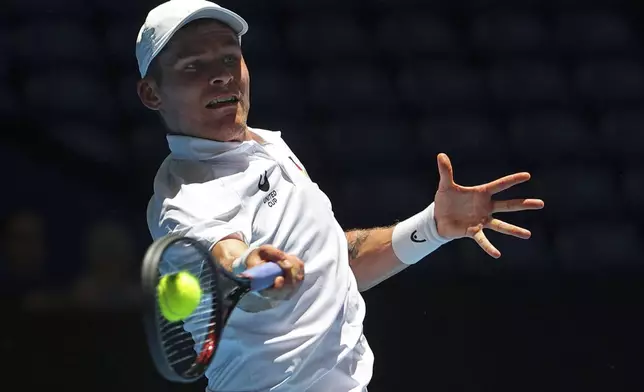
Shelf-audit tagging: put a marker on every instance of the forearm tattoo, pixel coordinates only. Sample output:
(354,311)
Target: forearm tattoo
(355,243)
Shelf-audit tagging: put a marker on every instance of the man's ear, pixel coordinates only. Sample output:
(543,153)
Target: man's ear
(148,94)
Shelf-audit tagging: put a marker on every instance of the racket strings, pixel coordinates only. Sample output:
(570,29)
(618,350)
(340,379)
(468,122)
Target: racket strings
(184,341)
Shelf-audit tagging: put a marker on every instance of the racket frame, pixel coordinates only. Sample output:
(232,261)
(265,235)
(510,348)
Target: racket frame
(150,278)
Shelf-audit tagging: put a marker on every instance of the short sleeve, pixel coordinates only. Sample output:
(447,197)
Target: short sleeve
(207,212)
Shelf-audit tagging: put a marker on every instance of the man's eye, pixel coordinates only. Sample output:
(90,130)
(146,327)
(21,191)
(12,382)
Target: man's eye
(230,60)
(190,67)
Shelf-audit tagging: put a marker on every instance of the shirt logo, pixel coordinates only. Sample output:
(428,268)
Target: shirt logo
(263,183)
(298,166)
(414,238)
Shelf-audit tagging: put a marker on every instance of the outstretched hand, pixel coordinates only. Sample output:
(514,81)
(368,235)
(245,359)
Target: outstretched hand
(462,211)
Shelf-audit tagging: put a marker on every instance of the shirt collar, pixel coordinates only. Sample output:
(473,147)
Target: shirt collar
(194,148)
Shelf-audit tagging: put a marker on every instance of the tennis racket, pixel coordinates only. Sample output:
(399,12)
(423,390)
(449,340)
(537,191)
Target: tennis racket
(182,350)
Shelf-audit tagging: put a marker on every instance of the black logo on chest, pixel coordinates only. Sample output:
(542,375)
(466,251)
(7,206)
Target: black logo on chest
(263,183)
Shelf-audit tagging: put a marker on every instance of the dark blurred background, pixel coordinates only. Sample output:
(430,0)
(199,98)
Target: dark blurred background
(366,92)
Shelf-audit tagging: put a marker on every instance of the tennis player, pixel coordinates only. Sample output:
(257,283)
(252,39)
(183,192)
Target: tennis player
(242,191)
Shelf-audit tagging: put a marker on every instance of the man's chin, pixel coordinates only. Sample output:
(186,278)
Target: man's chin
(226,130)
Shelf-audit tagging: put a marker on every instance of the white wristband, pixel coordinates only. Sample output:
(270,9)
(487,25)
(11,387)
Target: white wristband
(416,237)
(239,264)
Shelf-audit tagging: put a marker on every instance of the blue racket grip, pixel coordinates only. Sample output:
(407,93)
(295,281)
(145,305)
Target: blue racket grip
(263,276)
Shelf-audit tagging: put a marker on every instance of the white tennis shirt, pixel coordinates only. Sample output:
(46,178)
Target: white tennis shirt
(312,342)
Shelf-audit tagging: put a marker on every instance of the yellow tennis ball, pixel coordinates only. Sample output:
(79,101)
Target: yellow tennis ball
(179,295)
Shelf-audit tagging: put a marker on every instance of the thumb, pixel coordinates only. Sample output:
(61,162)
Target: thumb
(445,171)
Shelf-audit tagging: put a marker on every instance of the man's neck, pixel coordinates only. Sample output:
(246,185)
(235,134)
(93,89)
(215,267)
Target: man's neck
(247,135)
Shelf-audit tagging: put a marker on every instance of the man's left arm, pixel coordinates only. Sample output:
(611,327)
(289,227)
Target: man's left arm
(377,254)
(371,256)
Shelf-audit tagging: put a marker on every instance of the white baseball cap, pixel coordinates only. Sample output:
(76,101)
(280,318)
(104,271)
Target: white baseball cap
(167,18)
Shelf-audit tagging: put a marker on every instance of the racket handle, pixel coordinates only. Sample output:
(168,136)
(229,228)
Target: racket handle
(263,276)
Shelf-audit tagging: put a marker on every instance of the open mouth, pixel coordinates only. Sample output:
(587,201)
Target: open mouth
(222,102)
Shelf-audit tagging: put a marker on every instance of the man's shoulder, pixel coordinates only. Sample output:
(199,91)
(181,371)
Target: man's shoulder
(274,137)
(183,179)
(207,197)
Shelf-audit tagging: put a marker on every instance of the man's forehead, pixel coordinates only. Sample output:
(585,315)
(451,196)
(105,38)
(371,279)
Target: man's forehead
(197,36)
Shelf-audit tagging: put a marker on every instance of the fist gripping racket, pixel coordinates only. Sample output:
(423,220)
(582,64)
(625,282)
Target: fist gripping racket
(182,350)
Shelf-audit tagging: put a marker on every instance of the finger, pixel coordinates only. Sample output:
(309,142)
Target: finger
(517,205)
(486,245)
(506,182)
(293,270)
(279,283)
(445,171)
(269,253)
(507,228)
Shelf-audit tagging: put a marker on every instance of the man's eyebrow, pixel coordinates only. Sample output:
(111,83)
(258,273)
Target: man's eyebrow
(188,52)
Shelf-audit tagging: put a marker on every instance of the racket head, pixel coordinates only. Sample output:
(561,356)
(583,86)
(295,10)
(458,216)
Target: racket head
(183,350)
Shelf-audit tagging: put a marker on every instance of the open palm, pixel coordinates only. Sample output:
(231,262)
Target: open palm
(462,211)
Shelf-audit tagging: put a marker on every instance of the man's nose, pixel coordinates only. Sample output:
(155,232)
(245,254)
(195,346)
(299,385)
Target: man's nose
(222,77)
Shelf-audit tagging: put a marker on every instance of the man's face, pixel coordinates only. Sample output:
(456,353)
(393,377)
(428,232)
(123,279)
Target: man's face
(203,89)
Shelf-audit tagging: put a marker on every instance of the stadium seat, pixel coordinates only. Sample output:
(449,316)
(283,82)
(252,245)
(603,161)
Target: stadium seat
(621,132)
(377,143)
(374,191)
(148,146)
(475,6)
(32,10)
(5,69)
(509,33)
(632,185)
(67,43)
(263,46)
(119,40)
(556,134)
(9,105)
(528,83)
(594,33)
(70,93)
(313,5)
(439,86)
(609,83)
(8,52)
(361,87)
(276,91)
(127,98)
(467,137)
(116,10)
(394,4)
(581,5)
(311,38)
(598,247)
(88,140)
(572,192)
(414,34)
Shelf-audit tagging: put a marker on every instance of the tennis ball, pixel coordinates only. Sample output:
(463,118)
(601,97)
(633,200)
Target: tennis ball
(178,295)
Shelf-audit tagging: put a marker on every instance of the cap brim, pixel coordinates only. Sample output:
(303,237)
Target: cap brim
(223,15)
(226,16)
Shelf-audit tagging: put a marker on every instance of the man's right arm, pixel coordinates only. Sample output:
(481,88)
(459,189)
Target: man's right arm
(192,213)
(230,248)
(227,250)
